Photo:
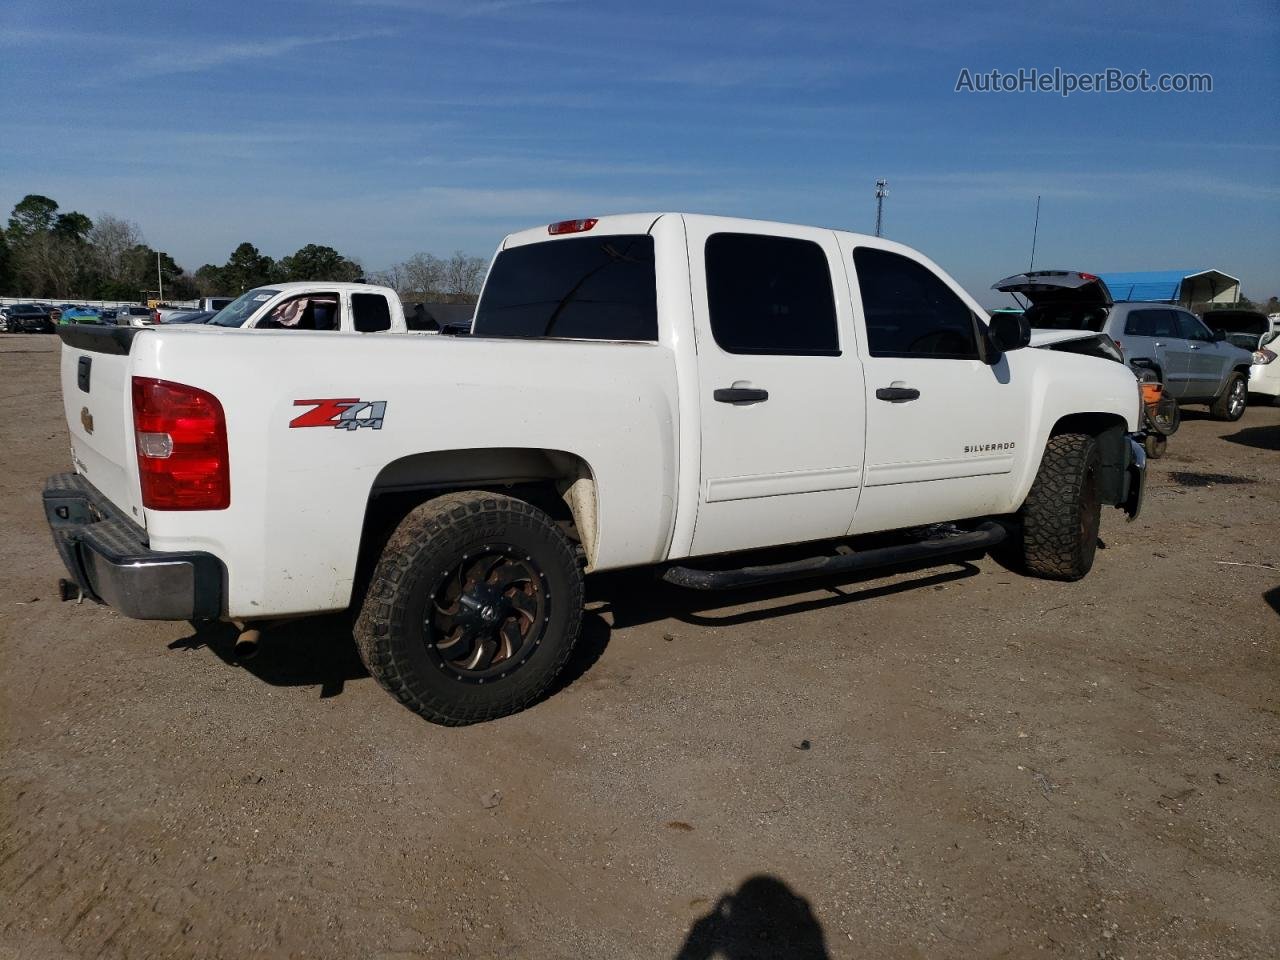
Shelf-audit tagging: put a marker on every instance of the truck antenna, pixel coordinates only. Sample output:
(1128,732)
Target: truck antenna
(1035,230)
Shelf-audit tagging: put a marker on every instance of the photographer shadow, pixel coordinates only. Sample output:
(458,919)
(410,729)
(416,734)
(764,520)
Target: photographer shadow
(763,920)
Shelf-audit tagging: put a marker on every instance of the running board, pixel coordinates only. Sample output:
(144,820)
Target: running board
(987,535)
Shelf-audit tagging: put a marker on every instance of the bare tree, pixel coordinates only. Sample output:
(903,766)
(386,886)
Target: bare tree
(109,241)
(463,276)
(423,274)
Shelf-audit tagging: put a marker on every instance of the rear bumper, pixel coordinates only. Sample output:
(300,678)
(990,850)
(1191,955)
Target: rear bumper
(108,557)
(1135,478)
(1264,379)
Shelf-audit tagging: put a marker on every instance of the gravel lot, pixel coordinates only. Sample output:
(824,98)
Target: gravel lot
(948,762)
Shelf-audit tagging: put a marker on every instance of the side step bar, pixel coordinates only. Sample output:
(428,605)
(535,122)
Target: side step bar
(987,535)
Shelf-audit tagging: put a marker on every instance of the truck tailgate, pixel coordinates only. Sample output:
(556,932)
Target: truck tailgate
(97,401)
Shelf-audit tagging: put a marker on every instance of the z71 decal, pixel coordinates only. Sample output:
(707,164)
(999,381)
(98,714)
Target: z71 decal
(341,414)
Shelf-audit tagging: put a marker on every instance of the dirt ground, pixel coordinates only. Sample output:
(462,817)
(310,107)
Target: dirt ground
(948,762)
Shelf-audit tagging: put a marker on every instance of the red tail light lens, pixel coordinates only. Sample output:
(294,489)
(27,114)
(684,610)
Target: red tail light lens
(181,437)
(572,226)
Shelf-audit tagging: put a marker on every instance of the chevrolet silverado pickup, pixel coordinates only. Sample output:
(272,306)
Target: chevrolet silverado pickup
(647,389)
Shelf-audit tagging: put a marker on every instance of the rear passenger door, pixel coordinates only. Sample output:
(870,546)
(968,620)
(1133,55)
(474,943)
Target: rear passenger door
(780,386)
(1151,333)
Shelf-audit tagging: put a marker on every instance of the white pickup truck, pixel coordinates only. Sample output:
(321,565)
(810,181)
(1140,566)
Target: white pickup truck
(636,390)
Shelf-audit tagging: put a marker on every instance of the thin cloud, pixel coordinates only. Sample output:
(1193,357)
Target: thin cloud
(220,55)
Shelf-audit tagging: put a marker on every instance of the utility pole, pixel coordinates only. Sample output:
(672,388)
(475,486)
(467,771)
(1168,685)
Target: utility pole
(882,191)
(159,276)
(1035,230)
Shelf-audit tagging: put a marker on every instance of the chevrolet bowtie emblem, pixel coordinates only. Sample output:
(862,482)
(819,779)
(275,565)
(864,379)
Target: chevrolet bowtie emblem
(86,419)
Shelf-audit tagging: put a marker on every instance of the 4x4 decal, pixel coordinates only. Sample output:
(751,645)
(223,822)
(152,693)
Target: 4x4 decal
(345,413)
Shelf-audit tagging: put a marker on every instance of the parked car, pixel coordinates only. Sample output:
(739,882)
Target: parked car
(840,385)
(29,318)
(1194,364)
(1256,333)
(108,314)
(80,315)
(134,316)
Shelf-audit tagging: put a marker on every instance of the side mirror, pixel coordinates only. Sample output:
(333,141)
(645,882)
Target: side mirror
(1009,331)
(1219,335)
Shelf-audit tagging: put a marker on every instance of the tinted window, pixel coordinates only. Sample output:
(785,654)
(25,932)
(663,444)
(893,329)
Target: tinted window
(909,311)
(1191,328)
(587,288)
(770,295)
(370,313)
(1151,323)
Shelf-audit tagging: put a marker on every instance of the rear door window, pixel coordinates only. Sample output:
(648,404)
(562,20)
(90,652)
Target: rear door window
(584,288)
(770,295)
(1152,323)
(910,311)
(370,313)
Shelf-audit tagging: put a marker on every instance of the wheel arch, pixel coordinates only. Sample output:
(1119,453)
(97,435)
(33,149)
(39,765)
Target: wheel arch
(558,482)
(1110,430)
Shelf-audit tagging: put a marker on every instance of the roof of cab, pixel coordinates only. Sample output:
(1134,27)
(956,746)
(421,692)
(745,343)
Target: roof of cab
(335,286)
(643,223)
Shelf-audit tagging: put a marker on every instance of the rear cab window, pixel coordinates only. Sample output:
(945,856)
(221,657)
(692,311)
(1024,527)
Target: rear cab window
(579,288)
(770,295)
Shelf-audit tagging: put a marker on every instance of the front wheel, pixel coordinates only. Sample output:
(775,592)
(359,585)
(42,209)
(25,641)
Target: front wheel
(1231,403)
(1062,513)
(474,608)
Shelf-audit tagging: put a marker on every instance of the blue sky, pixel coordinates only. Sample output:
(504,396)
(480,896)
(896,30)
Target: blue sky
(386,127)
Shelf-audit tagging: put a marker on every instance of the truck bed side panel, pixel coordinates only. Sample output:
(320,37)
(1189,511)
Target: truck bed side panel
(291,537)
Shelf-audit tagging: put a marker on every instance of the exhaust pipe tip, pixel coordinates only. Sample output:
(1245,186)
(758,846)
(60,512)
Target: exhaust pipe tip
(247,644)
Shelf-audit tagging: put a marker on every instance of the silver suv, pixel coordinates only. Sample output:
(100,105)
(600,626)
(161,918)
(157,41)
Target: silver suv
(1196,364)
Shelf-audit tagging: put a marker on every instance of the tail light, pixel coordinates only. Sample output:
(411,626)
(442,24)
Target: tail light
(155,316)
(1263,355)
(181,437)
(572,226)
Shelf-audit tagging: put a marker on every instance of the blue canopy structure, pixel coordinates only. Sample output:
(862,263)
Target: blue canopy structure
(1173,286)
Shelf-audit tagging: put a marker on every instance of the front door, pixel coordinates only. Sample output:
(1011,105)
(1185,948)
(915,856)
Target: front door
(780,385)
(1208,359)
(944,429)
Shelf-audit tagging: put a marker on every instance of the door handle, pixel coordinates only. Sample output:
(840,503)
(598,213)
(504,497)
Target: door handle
(897,394)
(740,395)
(1159,343)
(1194,347)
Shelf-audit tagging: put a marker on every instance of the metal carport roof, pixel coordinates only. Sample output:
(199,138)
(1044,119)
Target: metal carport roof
(1161,285)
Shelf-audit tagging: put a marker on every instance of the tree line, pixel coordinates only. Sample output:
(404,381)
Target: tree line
(46,252)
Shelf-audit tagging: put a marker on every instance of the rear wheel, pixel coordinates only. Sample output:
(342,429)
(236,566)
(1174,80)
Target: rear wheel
(1231,403)
(473,609)
(1062,513)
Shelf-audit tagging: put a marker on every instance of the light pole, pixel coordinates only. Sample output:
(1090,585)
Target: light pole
(882,191)
(159,276)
